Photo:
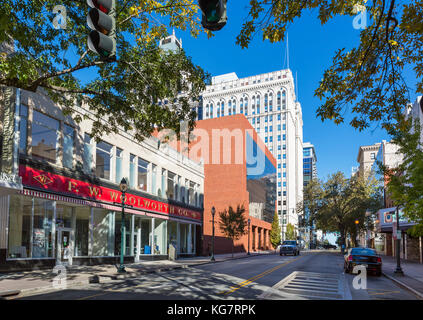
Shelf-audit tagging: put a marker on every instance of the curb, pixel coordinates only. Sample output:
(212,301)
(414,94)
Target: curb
(111,277)
(236,258)
(403,285)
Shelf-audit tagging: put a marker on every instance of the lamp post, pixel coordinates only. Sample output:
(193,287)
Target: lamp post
(213,211)
(398,246)
(249,222)
(357,237)
(123,186)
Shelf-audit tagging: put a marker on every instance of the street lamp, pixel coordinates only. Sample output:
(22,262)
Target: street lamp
(398,246)
(123,186)
(249,222)
(357,239)
(213,211)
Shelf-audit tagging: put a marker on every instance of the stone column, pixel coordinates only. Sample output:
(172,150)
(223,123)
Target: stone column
(189,239)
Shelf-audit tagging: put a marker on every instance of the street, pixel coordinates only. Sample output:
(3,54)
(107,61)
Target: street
(310,276)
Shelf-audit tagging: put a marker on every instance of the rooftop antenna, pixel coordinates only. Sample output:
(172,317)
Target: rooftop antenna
(287,48)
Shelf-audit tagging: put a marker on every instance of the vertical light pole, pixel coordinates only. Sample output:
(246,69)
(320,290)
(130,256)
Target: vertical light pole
(249,222)
(357,237)
(398,246)
(213,211)
(123,186)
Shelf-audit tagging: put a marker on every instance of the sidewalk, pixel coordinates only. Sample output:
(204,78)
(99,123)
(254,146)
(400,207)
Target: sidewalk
(412,279)
(41,280)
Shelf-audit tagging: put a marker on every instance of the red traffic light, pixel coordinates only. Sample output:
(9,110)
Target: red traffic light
(103,5)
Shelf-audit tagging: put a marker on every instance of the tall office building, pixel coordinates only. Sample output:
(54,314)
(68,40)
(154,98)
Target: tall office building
(309,234)
(269,102)
(309,162)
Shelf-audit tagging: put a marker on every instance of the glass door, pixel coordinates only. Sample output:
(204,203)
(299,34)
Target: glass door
(63,246)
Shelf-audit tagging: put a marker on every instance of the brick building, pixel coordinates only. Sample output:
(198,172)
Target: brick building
(238,170)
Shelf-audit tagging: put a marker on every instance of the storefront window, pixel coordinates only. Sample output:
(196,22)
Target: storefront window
(103,233)
(172,234)
(146,236)
(20,214)
(103,155)
(42,245)
(160,236)
(68,146)
(63,216)
(82,231)
(191,193)
(45,136)
(183,237)
(118,233)
(142,174)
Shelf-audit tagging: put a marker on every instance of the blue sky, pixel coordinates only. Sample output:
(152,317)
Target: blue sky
(311,48)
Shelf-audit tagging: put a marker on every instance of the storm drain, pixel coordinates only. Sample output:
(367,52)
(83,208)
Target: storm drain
(309,285)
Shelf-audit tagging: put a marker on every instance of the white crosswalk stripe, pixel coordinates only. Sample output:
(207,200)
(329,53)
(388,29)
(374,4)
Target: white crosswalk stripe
(309,285)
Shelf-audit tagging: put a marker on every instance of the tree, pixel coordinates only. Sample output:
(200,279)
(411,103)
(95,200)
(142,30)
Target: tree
(310,205)
(233,223)
(405,183)
(367,79)
(290,232)
(126,91)
(275,232)
(347,200)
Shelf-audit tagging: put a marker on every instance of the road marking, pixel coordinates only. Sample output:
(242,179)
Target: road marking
(256,277)
(309,285)
(382,293)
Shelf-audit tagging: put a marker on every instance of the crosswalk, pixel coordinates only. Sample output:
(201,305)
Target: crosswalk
(309,286)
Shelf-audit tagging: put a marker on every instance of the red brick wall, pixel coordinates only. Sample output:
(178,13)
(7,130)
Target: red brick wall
(226,184)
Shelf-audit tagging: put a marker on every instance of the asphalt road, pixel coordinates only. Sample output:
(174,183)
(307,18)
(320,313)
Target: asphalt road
(310,276)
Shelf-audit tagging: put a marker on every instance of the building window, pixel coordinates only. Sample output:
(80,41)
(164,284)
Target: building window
(23,127)
(279,116)
(45,137)
(142,174)
(265,139)
(103,155)
(271,129)
(271,139)
(170,185)
(279,137)
(88,154)
(119,163)
(68,146)
(284,165)
(284,127)
(373,156)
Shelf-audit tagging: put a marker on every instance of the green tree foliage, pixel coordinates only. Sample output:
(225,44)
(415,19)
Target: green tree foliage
(367,79)
(347,200)
(309,207)
(125,92)
(290,232)
(233,223)
(275,232)
(405,186)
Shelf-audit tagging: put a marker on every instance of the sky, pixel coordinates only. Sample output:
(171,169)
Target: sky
(311,48)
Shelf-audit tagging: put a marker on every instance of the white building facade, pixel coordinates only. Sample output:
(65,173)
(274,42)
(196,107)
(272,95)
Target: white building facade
(269,102)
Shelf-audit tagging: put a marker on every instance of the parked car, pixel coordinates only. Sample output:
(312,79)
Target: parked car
(329,246)
(289,247)
(363,256)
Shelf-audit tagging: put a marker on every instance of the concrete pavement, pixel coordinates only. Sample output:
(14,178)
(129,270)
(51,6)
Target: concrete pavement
(26,282)
(412,279)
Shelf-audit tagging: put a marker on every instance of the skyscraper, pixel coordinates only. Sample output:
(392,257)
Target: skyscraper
(269,102)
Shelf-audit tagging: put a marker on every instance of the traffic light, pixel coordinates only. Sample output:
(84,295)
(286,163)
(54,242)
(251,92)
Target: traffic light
(214,14)
(101,19)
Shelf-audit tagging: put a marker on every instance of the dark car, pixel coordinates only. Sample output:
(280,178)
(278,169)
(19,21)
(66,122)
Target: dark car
(329,246)
(363,256)
(289,247)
